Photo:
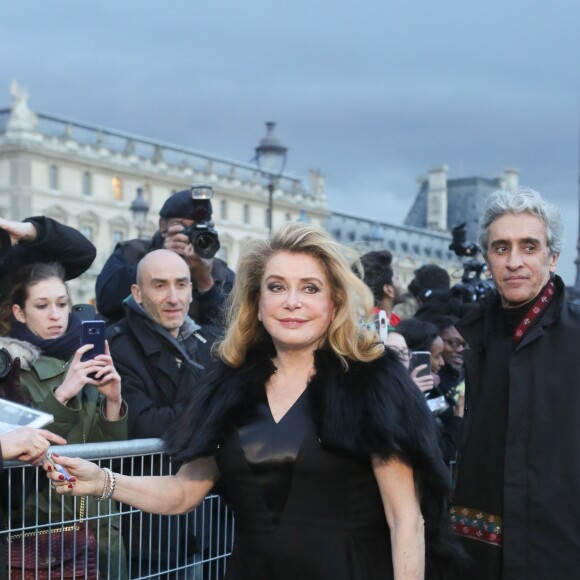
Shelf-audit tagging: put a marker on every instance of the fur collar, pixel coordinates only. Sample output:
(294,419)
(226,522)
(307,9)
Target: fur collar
(26,352)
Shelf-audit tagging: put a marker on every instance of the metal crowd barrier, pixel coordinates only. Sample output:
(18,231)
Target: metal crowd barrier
(130,544)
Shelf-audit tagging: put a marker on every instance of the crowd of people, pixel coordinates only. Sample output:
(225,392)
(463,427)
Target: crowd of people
(331,445)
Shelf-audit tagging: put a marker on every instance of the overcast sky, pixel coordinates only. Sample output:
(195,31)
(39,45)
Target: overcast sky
(371,93)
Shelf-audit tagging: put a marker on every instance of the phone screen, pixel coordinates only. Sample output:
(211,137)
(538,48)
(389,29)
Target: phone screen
(418,358)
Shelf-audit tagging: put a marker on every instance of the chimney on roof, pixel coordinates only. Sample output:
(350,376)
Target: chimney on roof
(437,198)
(511,177)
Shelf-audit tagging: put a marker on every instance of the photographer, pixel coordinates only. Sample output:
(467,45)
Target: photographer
(41,239)
(211,278)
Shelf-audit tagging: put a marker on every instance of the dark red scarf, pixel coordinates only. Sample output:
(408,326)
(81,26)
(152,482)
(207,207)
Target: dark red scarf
(541,303)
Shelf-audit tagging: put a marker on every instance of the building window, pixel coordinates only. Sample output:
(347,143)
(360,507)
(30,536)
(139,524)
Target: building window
(439,254)
(223,209)
(267,217)
(404,246)
(288,216)
(87,183)
(427,251)
(88,232)
(117,183)
(117,236)
(416,249)
(392,244)
(352,236)
(53,177)
(246,214)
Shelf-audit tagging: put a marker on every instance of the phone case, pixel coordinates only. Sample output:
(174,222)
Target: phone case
(93,332)
(419,358)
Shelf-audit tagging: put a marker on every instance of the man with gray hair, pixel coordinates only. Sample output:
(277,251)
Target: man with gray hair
(516,502)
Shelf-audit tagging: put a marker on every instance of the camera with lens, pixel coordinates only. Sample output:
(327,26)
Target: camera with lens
(201,233)
(472,287)
(5,363)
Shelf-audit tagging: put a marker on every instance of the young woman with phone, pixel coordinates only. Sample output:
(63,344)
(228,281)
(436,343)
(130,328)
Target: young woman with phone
(84,396)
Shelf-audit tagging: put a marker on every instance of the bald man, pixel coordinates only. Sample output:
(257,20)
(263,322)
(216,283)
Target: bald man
(162,356)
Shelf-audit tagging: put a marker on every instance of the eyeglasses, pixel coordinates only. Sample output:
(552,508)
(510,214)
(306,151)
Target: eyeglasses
(404,352)
(455,343)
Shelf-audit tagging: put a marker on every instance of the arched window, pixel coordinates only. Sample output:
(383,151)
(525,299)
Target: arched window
(53,177)
(87,183)
(117,184)
(223,209)
(246,214)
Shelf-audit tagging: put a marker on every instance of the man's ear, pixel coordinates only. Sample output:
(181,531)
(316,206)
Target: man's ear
(136,293)
(18,313)
(554,262)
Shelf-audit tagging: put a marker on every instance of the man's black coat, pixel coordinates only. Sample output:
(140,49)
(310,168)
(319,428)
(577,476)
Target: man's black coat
(541,490)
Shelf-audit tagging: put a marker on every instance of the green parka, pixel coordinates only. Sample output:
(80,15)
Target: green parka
(82,420)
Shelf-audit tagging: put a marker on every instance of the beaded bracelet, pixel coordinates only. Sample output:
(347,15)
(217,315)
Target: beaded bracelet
(108,487)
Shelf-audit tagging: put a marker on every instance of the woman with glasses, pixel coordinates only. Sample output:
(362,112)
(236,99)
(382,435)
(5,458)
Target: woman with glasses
(425,336)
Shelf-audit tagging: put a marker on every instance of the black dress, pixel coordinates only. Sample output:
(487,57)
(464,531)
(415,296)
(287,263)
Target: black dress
(304,494)
(289,523)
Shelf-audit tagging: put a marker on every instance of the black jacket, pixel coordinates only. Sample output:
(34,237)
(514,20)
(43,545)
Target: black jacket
(54,242)
(541,537)
(120,271)
(154,385)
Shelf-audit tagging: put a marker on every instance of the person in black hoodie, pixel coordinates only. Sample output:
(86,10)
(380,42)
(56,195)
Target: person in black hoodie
(161,355)
(41,239)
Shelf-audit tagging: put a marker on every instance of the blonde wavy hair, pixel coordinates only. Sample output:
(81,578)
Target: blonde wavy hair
(352,299)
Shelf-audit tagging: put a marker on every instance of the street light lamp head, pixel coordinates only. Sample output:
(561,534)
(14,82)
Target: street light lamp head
(271,153)
(139,208)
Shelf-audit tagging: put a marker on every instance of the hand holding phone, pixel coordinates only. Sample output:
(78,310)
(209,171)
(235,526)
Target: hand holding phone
(93,332)
(58,467)
(418,358)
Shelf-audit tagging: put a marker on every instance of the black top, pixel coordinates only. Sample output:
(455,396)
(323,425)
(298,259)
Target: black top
(290,523)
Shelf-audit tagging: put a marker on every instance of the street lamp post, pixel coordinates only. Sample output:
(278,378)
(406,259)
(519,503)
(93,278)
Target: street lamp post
(139,208)
(271,160)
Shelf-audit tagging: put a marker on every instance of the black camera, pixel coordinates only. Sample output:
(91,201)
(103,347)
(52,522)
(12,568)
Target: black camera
(471,288)
(5,242)
(5,363)
(202,234)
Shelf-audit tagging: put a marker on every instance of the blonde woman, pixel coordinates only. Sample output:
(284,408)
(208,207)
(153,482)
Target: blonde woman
(322,441)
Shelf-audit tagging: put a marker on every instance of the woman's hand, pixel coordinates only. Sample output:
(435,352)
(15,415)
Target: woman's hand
(425,383)
(86,478)
(28,444)
(103,376)
(77,375)
(109,384)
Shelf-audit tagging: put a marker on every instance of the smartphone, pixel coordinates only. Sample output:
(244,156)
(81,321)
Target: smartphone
(57,467)
(418,358)
(93,332)
(84,311)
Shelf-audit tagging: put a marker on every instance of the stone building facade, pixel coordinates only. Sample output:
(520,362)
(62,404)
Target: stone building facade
(86,177)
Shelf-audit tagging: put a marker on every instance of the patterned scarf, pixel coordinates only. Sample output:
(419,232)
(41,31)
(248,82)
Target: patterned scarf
(541,303)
